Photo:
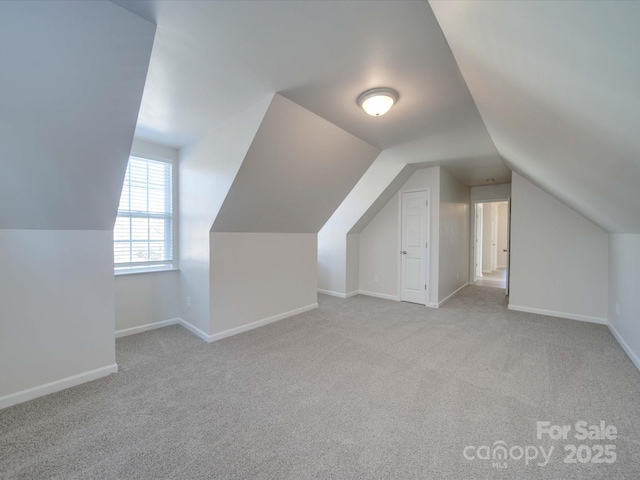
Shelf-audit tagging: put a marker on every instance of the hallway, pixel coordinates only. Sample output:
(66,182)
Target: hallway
(497,279)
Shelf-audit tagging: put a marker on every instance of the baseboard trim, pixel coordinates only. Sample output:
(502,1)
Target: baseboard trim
(244,328)
(449,297)
(195,330)
(145,328)
(260,323)
(379,295)
(625,346)
(337,294)
(56,386)
(552,313)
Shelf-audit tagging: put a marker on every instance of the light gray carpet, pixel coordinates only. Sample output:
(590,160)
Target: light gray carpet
(361,388)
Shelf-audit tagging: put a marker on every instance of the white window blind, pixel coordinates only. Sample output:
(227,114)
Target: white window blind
(143,234)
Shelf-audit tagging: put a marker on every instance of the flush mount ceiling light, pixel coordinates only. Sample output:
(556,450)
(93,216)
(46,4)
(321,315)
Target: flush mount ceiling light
(378,101)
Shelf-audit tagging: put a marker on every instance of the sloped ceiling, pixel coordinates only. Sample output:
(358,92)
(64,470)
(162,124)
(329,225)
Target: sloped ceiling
(383,199)
(214,59)
(556,84)
(297,171)
(72,80)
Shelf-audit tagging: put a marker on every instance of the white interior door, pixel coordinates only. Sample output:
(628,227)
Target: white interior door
(413,247)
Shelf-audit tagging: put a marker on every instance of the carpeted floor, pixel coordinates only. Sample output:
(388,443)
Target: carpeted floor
(361,388)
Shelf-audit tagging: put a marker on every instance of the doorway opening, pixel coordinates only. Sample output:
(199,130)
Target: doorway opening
(490,243)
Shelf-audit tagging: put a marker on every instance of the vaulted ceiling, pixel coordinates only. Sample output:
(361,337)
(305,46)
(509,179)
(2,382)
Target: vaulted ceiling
(213,59)
(548,87)
(556,84)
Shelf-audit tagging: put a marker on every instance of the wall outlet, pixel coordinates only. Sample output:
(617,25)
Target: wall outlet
(375,278)
(457,276)
(188,302)
(617,309)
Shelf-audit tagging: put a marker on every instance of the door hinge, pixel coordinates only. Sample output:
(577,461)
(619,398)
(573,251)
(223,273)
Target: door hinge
(426,244)
(425,286)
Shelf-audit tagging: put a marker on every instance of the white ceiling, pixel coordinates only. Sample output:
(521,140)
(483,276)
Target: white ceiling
(213,59)
(557,84)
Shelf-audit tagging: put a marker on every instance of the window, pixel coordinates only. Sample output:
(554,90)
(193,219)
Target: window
(143,234)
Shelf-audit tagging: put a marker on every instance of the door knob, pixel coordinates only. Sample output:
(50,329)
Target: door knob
(504,250)
(403,252)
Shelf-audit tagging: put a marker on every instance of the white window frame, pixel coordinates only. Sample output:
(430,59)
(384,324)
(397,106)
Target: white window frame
(174,219)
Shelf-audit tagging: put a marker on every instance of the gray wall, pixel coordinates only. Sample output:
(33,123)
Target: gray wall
(378,252)
(503,234)
(453,271)
(257,276)
(559,259)
(56,306)
(353,263)
(624,282)
(146,298)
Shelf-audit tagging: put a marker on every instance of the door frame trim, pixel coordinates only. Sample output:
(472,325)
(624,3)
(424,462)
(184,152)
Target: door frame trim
(429,243)
(472,234)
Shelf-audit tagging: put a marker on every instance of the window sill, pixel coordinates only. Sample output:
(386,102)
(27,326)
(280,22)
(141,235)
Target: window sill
(135,271)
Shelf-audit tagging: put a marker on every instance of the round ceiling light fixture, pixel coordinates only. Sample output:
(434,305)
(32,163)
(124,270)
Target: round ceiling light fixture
(378,101)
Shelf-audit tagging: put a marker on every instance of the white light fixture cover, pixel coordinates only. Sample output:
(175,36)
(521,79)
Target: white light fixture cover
(378,101)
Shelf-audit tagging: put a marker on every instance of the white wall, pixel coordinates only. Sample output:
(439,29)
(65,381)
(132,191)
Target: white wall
(207,170)
(379,250)
(56,307)
(72,77)
(624,286)
(256,276)
(146,298)
(490,192)
(353,263)
(453,253)
(154,151)
(332,261)
(559,259)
